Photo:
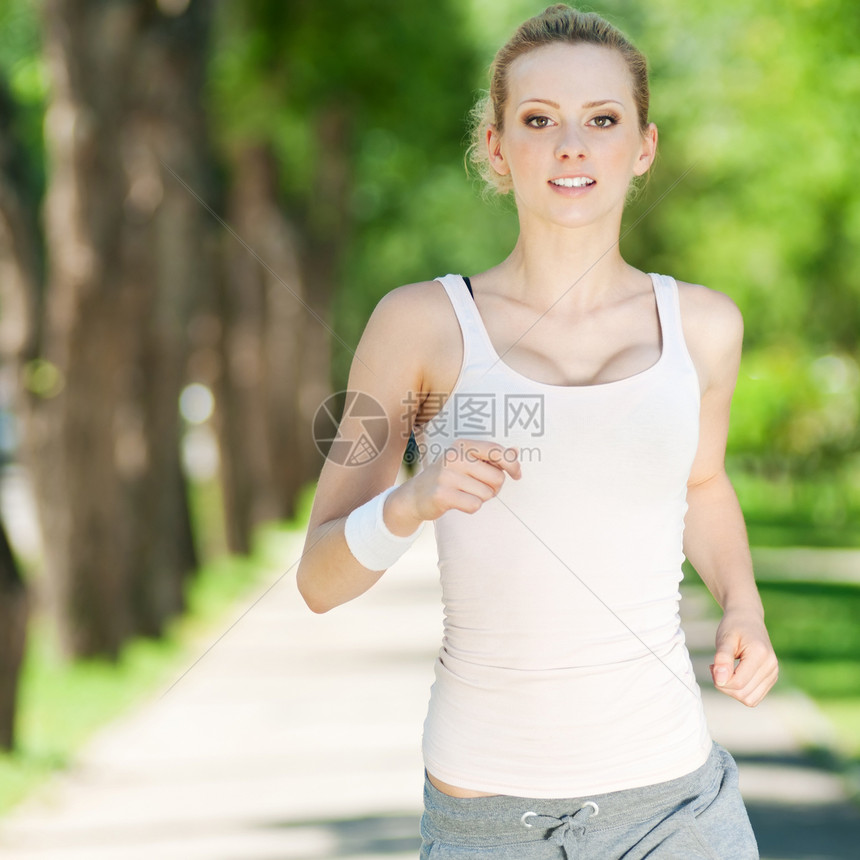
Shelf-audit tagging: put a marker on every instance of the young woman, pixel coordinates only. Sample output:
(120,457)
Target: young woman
(572,428)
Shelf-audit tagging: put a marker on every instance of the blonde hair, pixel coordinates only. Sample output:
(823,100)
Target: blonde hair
(556,24)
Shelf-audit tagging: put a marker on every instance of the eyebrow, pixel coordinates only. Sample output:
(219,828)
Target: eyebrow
(557,106)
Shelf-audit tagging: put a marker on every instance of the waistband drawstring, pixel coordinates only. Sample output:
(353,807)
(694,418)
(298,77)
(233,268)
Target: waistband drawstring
(565,831)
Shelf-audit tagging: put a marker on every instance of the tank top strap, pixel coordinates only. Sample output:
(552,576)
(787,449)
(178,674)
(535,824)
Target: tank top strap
(669,309)
(467,315)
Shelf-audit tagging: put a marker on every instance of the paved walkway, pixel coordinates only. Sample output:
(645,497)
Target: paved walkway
(297,737)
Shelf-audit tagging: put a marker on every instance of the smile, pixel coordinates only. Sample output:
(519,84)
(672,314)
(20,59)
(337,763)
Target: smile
(573,181)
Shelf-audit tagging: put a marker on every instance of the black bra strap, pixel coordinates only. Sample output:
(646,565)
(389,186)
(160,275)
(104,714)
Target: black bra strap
(469,285)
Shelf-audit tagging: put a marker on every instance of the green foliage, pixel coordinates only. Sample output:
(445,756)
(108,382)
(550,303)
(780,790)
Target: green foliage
(279,65)
(786,511)
(23,73)
(745,94)
(796,411)
(401,81)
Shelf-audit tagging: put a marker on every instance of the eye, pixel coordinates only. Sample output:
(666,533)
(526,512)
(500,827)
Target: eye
(538,121)
(605,120)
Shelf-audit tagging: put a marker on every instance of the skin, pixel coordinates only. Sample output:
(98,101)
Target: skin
(604,327)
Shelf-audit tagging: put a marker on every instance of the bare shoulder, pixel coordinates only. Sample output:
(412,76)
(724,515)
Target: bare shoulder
(407,316)
(703,306)
(410,297)
(424,320)
(713,329)
(422,308)
(710,315)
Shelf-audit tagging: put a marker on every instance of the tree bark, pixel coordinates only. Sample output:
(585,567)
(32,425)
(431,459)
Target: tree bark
(19,277)
(13,628)
(326,228)
(276,308)
(165,270)
(263,319)
(125,262)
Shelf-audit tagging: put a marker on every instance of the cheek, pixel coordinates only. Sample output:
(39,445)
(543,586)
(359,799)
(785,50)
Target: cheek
(624,158)
(525,150)
(516,156)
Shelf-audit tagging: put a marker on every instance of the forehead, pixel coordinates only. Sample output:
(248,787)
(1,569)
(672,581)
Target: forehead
(563,71)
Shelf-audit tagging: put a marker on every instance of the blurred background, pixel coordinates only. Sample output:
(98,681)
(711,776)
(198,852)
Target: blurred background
(200,205)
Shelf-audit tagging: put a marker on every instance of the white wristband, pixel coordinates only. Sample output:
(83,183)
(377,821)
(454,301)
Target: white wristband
(369,539)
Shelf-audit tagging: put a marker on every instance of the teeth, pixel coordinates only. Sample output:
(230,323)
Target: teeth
(573,182)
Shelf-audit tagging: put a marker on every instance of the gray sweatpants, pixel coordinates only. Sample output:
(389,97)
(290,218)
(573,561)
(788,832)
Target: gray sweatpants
(698,816)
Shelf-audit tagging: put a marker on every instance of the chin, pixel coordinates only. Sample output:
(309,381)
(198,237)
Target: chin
(586,216)
(575,220)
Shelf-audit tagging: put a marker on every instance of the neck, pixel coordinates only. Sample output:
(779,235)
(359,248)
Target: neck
(575,268)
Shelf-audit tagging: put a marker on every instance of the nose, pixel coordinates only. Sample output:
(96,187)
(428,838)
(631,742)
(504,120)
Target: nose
(571,144)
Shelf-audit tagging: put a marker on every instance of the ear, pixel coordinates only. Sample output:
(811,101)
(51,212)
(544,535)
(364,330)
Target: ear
(494,151)
(648,151)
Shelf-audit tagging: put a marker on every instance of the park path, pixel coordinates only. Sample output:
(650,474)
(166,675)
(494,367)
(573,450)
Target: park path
(297,737)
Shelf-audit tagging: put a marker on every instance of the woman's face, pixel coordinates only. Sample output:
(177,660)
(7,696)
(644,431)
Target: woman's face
(571,141)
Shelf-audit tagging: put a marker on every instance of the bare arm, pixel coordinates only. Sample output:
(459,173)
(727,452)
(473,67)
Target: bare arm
(328,573)
(389,367)
(715,537)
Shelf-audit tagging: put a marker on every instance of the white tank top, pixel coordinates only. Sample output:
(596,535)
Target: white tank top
(563,669)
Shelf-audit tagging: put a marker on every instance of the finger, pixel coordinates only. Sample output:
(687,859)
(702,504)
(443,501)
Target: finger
(493,453)
(764,676)
(504,458)
(468,494)
(476,486)
(507,459)
(758,688)
(723,666)
(758,692)
(479,469)
(491,475)
(472,500)
(755,658)
(754,692)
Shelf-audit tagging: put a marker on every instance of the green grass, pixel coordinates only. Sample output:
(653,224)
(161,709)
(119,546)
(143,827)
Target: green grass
(61,704)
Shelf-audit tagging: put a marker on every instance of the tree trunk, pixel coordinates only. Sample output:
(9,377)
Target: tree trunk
(13,631)
(325,233)
(18,299)
(263,316)
(276,299)
(124,243)
(165,270)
